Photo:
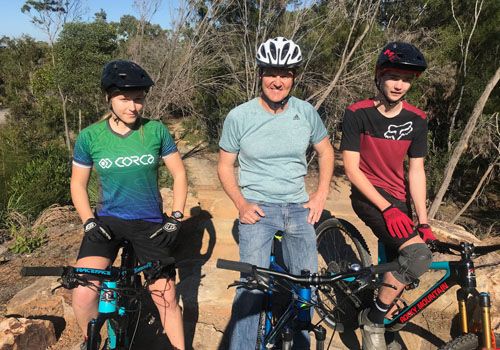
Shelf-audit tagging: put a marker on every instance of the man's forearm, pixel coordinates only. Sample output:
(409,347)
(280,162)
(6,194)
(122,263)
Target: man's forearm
(326,166)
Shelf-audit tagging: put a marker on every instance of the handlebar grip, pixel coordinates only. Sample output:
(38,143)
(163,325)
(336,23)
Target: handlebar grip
(388,267)
(234,266)
(487,249)
(42,271)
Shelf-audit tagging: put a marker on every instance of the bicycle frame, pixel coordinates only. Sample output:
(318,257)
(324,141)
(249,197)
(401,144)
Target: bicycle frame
(112,307)
(299,307)
(460,273)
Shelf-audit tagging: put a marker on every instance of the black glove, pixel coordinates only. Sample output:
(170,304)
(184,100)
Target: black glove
(96,231)
(168,231)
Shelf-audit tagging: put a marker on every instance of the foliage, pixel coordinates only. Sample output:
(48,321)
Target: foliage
(25,240)
(40,183)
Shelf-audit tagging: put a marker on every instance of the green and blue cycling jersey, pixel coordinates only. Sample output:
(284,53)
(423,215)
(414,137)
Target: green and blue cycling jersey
(127,167)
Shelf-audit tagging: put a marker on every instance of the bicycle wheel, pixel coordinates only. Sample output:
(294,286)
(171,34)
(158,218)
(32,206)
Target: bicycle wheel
(469,341)
(339,245)
(464,342)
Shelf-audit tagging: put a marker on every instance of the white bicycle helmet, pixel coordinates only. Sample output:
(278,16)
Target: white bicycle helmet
(279,53)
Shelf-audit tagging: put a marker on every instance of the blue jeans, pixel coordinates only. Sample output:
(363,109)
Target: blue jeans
(299,252)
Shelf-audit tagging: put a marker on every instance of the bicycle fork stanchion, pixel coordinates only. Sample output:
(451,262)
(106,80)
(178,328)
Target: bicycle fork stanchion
(320,335)
(485,304)
(287,339)
(462,310)
(93,335)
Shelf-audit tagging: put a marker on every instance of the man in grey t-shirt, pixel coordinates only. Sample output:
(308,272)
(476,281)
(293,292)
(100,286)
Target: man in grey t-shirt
(269,136)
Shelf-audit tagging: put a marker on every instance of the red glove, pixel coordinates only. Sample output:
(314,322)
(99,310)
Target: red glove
(425,231)
(398,223)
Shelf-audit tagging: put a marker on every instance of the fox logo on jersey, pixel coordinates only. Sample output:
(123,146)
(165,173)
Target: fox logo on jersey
(396,132)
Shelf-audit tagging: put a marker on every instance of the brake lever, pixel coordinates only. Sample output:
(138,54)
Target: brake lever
(53,290)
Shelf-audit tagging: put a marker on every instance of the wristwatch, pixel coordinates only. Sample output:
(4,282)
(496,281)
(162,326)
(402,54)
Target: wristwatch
(177,215)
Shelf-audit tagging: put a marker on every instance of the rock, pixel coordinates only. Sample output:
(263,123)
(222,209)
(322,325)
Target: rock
(36,299)
(24,334)
(206,337)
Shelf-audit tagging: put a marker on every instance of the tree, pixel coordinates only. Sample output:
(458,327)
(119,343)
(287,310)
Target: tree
(462,144)
(50,16)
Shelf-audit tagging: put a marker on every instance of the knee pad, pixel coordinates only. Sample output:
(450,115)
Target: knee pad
(414,261)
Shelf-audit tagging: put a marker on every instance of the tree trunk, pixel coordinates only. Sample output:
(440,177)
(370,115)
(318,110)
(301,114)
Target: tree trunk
(476,191)
(65,118)
(462,143)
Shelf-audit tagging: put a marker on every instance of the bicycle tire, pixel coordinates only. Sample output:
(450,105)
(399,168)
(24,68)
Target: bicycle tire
(340,244)
(469,341)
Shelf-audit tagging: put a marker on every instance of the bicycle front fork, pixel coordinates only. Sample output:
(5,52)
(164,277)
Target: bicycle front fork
(319,335)
(487,336)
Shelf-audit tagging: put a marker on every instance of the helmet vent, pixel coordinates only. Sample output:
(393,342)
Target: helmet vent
(272,51)
(284,51)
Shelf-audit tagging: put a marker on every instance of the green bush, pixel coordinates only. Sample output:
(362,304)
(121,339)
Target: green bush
(41,182)
(26,241)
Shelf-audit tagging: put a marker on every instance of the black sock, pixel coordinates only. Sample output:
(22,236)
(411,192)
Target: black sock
(378,311)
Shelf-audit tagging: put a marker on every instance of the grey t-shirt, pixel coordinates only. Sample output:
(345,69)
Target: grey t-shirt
(272,148)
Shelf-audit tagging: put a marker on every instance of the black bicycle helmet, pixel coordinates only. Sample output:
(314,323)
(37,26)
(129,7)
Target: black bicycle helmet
(402,56)
(122,75)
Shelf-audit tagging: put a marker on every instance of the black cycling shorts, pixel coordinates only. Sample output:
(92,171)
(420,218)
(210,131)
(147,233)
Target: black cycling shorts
(374,219)
(136,232)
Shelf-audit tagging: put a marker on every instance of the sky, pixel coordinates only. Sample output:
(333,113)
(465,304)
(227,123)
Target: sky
(14,23)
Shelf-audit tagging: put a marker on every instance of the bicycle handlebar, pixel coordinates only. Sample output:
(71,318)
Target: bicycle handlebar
(310,279)
(463,247)
(111,273)
(43,271)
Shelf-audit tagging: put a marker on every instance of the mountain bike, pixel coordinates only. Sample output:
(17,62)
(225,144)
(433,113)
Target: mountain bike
(120,295)
(473,306)
(276,331)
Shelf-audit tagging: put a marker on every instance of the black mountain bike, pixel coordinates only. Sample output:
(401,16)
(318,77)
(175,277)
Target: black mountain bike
(297,315)
(340,244)
(120,295)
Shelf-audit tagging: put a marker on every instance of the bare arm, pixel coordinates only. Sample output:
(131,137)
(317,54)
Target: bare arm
(174,164)
(79,195)
(249,213)
(359,179)
(417,181)
(317,199)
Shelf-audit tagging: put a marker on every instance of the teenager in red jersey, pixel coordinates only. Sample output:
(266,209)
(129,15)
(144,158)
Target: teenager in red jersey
(377,135)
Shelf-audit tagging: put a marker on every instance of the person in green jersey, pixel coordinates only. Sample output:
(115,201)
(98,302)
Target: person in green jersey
(125,150)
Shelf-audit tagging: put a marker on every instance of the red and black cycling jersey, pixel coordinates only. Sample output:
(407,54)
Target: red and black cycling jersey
(384,142)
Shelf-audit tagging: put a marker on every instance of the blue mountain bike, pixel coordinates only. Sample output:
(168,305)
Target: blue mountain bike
(341,244)
(120,295)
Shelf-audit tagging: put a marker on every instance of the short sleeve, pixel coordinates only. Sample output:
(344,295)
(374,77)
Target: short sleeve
(230,138)
(81,154)
(167,142)
(418,147)
(351,132)
(318,128)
